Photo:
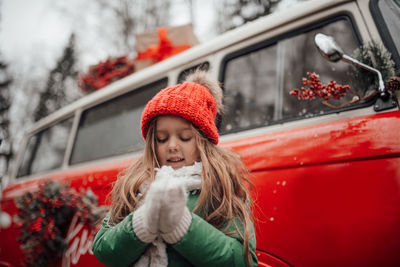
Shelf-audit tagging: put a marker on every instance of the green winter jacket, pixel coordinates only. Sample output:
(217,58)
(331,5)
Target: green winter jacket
(203,244)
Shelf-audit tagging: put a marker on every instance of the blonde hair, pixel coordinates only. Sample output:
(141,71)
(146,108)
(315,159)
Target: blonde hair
(223,196)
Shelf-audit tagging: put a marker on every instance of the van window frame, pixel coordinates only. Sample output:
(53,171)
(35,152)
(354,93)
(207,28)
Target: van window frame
(274,40)
(384,30)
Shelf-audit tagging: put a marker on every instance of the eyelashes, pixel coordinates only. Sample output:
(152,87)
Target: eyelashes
(163,140)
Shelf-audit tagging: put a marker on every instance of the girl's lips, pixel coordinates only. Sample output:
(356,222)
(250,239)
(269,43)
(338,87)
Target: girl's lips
(175,163)
(175,160)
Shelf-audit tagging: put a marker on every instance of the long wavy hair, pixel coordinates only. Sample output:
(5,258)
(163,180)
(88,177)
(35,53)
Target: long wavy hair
(224,194)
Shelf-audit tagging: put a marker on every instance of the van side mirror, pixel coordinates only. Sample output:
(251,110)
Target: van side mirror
(328,47)
(330,50)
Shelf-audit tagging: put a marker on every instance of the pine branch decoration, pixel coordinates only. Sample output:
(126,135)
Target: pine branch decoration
(377,56)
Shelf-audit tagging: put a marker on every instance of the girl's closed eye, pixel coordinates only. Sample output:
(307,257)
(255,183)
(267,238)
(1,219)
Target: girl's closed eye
(161,139)
(186,138)
(186,135)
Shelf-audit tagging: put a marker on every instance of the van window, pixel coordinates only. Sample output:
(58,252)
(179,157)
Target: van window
(257,80)
(45,150)
(113,127)
(250,88)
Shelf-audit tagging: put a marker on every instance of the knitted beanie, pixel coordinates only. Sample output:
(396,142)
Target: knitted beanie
(197,100)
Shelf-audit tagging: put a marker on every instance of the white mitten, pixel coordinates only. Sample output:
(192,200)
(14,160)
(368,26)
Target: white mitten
(175,217)
(146,219)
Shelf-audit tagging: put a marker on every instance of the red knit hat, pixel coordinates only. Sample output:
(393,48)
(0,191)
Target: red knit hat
(197,100)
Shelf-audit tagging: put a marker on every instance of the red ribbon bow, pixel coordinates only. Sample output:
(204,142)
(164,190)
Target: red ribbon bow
(164,49)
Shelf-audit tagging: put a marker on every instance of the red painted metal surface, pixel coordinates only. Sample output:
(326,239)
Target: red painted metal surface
(328,194)
(325,195)
(268,260)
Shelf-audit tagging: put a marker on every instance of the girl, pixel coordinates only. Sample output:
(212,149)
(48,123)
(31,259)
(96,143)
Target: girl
(183,202)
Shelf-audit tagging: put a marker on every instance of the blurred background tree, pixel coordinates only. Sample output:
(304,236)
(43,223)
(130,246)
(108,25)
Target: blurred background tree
(60,79)
(5,103)
(234,13)
(6,151)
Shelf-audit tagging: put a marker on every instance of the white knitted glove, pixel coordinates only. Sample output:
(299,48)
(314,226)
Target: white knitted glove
(175,217)
(164,208)
(145,221)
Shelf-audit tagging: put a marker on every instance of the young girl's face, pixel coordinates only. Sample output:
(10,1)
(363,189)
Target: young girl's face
(175,142)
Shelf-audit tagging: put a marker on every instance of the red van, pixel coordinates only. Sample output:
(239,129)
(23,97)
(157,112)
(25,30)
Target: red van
(326,180)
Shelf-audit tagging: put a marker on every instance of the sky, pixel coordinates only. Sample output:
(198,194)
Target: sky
(28,27)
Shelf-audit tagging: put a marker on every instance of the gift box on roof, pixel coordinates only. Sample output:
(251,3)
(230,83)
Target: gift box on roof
(155,46)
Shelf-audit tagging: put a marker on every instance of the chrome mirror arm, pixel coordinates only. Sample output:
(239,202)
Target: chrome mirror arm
(333,52)
(381,86)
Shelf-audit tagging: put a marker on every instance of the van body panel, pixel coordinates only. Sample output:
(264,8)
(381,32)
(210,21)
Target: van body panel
(351,139)
(328,187)
(307,213)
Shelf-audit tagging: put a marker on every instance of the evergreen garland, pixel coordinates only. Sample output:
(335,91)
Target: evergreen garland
(377,56)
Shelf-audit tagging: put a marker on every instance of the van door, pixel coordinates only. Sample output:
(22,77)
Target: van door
(326,181)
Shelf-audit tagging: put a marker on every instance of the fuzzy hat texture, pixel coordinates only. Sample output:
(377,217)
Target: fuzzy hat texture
(198,99)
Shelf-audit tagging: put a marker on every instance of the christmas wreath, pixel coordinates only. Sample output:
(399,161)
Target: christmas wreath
(43,217)
(105,73)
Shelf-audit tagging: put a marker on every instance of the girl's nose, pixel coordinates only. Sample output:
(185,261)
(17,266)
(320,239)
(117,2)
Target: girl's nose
(173,143)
